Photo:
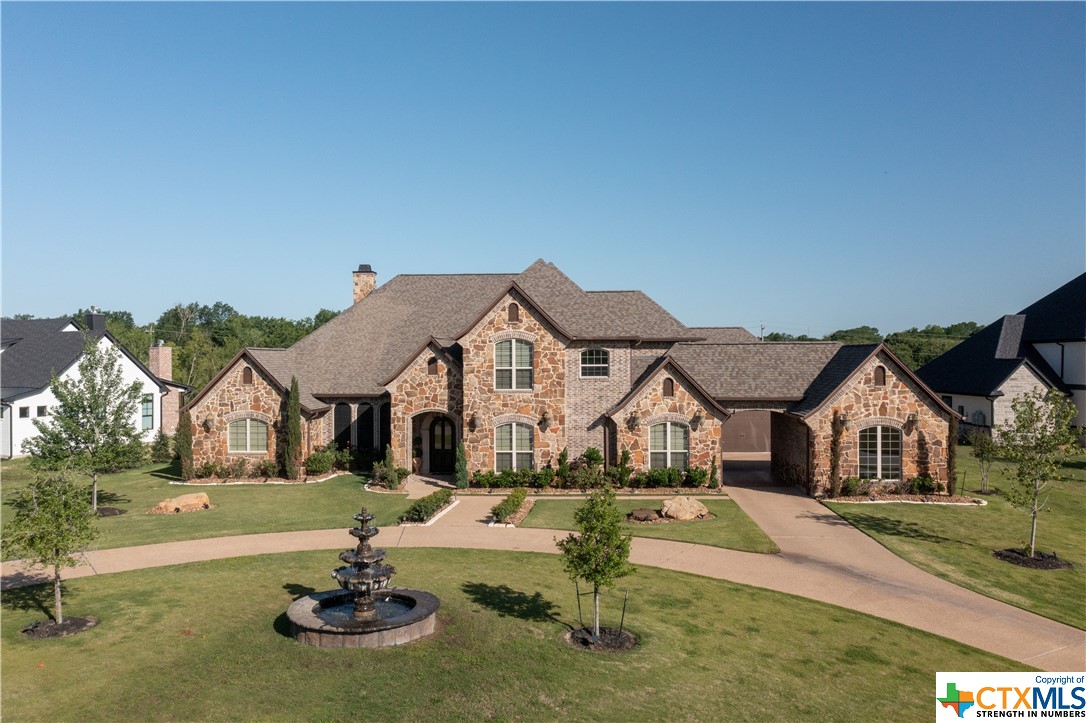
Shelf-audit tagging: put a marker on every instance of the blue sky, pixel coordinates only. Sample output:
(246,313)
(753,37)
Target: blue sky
(810,166)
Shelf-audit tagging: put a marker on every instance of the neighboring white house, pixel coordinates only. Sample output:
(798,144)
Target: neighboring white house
(1041,347)
(32,350)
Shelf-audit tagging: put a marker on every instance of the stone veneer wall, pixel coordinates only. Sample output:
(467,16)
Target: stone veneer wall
(230,400)
(587,398)
(653,407)
(491,407)
(1021,381)
(416,391)
(923,443)
(790,449)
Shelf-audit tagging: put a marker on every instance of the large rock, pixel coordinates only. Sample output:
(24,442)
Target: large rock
(644,514)
(683,508)
(184,503)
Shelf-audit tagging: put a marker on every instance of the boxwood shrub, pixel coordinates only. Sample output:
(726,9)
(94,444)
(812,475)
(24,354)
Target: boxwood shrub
(509,506)
(425,508)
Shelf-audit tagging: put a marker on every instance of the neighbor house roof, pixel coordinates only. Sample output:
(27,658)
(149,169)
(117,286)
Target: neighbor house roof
(755,371)
(980,364)
(1060,316)
(35,349)
(724,334)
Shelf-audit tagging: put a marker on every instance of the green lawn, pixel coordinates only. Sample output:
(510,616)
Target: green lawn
(956,543)
(239,509)
(730,527)
(207,642)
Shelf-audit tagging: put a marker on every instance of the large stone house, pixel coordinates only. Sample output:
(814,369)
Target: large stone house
(1041,347)
(519,367)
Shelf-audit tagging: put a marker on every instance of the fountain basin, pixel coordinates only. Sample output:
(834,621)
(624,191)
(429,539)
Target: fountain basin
(325,619)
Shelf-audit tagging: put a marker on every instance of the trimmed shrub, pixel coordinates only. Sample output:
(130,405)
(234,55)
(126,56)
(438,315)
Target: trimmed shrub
(714,474)
(182,445)
(267,468)
(160,448)
(620,473)
(697,477)
(509,506)
(234,470)
(592,457)
(461,471)
(850,486)
(320,462)
(386,474)
(207,469)
(425,508)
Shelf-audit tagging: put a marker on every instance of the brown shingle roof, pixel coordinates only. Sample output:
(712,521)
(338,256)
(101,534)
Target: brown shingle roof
(724,334)
(757,370)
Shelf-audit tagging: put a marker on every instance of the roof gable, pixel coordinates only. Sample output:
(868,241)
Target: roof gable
(661,366)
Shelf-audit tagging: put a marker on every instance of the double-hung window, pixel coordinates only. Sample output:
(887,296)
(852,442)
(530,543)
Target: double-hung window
(513,364)
(513,447)
(248,435)
(147,409)
(880,453)
(595,363)
(669,445)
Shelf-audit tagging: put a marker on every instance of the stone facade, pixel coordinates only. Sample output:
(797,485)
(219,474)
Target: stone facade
(365,281)
(231,399)
(652,407)
(416,391)
(791,449)
(486,407)
(1023,380)
(865,404)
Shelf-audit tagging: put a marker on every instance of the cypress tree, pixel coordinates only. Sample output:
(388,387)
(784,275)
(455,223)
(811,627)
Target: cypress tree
(292,455)
(182,444)
(952,455)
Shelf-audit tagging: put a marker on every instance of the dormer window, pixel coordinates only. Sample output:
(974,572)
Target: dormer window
(513,364)
(595,363)
(669,387)
(247,375)
(514,312)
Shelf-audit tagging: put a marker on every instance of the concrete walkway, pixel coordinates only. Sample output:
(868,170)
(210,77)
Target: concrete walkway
(822,557)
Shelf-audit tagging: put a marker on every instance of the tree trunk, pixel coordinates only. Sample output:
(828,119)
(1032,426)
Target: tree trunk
(1033,525)
(595,613)
(94,493)
(59,617)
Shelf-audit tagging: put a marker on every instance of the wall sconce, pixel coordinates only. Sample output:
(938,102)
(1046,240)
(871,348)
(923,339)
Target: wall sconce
(633,421)
(545,420)
(696,421)
(910,423)
(911,419)
(206,424)
(844,420)
(473,422)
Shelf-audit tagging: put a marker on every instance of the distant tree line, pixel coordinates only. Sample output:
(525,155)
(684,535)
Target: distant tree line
(205,338)
(915,347)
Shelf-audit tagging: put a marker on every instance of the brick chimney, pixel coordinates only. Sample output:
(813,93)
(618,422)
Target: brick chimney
(160,360)
(365,281)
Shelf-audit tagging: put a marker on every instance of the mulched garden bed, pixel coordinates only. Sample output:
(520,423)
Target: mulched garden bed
(917,499)
(110,511)
(1039,561)
(219,481)
(611,640)
(517,517)
(43,629)
(667,520)
(620,491)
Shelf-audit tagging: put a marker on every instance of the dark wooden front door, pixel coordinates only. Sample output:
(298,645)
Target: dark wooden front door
(442,447)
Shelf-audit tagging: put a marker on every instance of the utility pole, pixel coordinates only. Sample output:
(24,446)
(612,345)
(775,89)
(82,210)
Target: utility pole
(761,331)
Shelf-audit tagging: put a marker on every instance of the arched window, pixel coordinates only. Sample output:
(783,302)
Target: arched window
(880,453)
(247,375)
(513,445)
(514,312)
(669,387)
(513,364)
(595,363)
(364,426)
(669,445)
(880,376)
(248,435)
(431,366)
(341,420)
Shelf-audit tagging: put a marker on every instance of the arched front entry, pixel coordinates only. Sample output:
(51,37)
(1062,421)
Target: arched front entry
(442,446)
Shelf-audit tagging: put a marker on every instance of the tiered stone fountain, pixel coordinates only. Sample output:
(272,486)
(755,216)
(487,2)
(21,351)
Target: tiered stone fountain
(366,612)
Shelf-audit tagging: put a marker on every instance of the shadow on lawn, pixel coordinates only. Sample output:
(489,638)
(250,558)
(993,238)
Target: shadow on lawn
(506,601)
(894,528)
(105,497)
(171,471)
(32,598)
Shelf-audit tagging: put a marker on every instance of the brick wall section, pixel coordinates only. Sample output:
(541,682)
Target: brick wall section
(1021,381)
(923,444)
(653,407)
(791,450)
(160,363)
(231,400)
(487,404)
(587,398)
(416,391)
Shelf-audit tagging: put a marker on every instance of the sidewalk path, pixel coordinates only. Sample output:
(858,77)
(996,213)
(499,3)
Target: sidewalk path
(822,558)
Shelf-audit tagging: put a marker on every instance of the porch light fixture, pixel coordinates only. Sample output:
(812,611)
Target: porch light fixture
(473,422)
(633,421)
(545,420)
(844,420)
(911,419)
(206,424)
(696,421)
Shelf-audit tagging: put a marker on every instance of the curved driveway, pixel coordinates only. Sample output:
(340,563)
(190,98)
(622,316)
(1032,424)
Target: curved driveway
(822,557)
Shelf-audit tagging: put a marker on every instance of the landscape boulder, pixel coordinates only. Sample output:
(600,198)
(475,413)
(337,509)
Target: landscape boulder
(184,503)
(683,508)
(644,514)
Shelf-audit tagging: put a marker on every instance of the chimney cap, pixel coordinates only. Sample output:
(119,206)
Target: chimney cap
(160,342)
(364,269)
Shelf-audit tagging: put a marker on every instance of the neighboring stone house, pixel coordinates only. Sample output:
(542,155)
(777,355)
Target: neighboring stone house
(1041,347)
(32,350)
(519,367)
